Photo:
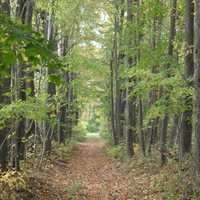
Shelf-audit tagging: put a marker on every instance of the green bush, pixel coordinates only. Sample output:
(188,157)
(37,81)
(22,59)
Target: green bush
(79,133)
(115,151)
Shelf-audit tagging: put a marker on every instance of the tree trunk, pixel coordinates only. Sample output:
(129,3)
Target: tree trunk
(141,133)
(119,109)
(112,102)
(130,107)
(174,131)
(4,88)
(20,127)
(69,104)
(163,136)
(63,106)
(20,131)
(186,125)
(50,87)
(197,92)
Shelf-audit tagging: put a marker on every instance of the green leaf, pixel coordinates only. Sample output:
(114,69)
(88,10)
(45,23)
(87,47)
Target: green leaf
(55,79)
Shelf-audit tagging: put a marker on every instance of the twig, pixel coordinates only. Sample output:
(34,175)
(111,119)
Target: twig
(58,196)
(62,192)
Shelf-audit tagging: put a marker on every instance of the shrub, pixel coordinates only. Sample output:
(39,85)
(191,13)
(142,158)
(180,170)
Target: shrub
(116,151)
(79,133)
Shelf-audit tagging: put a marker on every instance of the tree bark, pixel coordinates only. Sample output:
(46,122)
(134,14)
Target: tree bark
(163,136)
(197,92)
(50,87)
(130,107)
(186,125)
(112,108)
(4,88)
(63,106)
(118,56)
(20,127)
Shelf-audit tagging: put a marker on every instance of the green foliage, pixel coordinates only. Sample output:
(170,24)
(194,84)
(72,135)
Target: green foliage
(21,43)
(64,149)
(75,189)
(79,132)
(115,151)
(27,109)
(78,135)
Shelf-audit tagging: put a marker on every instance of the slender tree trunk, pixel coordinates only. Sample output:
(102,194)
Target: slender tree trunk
(4,88)
(186,125)
(197,92)
(20,131)
(118,56)
(69,105)
(174,131)
(50,87)
(20,128)
(163,136)
(152,132)
(141,133)
(130,107)
(112,101)
(63,106)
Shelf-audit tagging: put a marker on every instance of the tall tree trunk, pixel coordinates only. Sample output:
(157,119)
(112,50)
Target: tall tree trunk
(130,107)
(140,103)
(50,87)
(63,106)
(163,136)
(197,92)
(186,125)
(20,128)
(112,101)
(118,56)
(174,132)
(69,105)
(4,88)
(152,132)
(141,133)
(30,124)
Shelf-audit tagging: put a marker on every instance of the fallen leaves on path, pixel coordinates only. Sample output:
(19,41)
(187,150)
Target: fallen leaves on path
(90,175)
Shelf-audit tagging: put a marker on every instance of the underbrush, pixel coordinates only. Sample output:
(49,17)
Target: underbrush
(30,182)
(115,152)
(174,181)
(79,133)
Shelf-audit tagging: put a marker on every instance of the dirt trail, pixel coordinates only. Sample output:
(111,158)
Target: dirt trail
(90,175)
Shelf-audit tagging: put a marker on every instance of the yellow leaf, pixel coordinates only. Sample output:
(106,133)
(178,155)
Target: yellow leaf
(53,115)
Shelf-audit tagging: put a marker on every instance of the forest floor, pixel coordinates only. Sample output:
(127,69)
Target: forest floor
(89,174)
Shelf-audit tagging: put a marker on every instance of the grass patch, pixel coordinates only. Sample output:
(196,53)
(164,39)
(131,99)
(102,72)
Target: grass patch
(92,135)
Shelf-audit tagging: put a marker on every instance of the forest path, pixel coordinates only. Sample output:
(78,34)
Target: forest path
(90,175)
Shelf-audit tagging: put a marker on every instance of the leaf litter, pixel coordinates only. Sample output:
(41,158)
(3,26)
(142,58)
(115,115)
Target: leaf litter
(89,174)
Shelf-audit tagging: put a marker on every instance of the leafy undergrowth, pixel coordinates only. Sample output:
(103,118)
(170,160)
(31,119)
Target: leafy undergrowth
(89,174)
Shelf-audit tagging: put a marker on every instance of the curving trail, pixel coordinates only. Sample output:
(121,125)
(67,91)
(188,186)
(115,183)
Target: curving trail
(88,174)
